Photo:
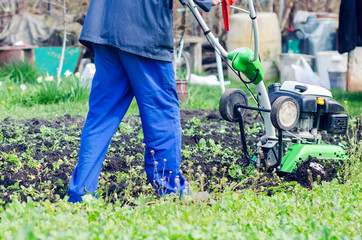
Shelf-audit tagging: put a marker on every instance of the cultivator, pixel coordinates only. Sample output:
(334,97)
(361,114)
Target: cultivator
(299,112)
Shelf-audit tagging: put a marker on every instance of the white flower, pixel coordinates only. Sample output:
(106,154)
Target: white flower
(67,73)
(49,78)
(1,83)
(39,79)
(77,74)
(22,87)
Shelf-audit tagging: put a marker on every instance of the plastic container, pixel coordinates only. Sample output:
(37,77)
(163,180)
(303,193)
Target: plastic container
(292,42)
(87,75)
(330,61)
(320,33)
(286,62)
(338,79)
(269,40)
(181,89)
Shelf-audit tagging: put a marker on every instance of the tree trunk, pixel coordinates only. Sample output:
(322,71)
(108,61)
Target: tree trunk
(63,46)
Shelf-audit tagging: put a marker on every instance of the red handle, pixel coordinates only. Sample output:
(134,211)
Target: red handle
(225,5)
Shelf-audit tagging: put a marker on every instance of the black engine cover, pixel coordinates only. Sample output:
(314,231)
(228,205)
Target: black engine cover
(307,103)
(334,123)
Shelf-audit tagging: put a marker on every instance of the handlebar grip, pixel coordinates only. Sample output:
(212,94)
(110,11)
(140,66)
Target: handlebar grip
(253,70)
(225,5)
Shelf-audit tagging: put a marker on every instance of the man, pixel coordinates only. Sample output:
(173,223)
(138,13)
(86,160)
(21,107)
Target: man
(133,45)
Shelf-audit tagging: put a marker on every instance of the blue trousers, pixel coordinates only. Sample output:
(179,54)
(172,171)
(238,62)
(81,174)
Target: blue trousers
(119,77)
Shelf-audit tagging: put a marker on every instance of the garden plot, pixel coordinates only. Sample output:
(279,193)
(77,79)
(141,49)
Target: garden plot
(37,157)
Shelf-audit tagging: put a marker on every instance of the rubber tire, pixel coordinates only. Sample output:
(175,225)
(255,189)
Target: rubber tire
(274,114)
(229,100)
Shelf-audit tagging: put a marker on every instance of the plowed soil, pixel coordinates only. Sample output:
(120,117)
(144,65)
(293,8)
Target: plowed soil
(37,157)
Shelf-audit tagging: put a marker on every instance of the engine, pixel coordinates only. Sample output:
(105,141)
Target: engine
(303,110)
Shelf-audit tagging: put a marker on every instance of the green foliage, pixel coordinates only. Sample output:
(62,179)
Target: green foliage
(350,100)
(48,93)
(76,92)
(20,73)
(72,97)
(330,211)
(70,90)
(43,90)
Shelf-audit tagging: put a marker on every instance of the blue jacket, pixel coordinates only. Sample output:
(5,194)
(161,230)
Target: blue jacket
(142,27)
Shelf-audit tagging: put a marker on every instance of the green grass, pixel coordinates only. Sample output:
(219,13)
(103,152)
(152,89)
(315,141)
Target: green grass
(21,72)
(44,111)
(352,101)
(200,96)
(328,211)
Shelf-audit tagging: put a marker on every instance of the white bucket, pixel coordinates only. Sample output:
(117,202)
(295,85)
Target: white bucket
(338,79)
(326,61)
